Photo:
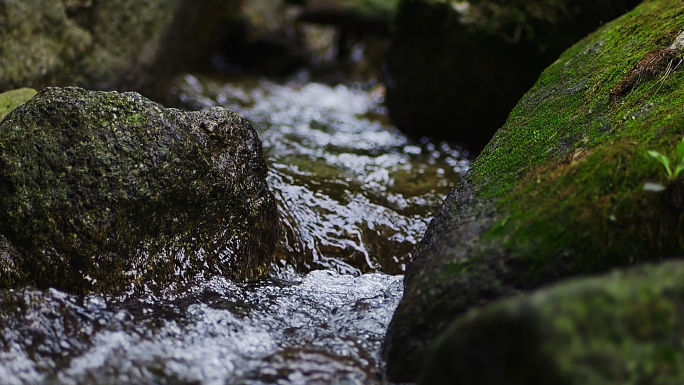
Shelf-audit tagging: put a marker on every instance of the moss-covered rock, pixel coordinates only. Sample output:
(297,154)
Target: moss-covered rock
(457,68)
(119,44)
(622,328)
(100,190)
(12,99)
(559,191)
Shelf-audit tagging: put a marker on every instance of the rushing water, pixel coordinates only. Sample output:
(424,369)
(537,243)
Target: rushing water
(355,197)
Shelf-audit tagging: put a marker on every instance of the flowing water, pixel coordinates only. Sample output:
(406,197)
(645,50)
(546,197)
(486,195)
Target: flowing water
(355,197)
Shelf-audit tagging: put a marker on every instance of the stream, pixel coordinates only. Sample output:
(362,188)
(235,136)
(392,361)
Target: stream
(355,197)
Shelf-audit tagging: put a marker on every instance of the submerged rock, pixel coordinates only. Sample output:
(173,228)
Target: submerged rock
(118,44)
(100,190)
(457,68)
(624,327)
(559,191)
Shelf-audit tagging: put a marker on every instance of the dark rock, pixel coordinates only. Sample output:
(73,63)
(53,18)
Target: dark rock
(102,190)
(333,41)
(554,194)
(620,328)
(119,44)
(454,73)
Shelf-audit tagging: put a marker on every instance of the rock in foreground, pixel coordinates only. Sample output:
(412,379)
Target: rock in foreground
(559,191)
(621,328)
(101,190)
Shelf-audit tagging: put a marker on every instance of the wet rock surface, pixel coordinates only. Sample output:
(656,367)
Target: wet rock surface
(456,69)
(100,191)
(122,44)
(618,328)
(559,191)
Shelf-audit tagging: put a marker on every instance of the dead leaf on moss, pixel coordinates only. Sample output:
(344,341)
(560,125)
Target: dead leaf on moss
(660,62)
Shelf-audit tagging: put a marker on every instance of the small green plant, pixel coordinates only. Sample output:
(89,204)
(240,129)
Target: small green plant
(672,174)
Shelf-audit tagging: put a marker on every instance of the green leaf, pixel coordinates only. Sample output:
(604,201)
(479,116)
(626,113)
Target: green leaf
(680,159)
(663,160)
(677,170)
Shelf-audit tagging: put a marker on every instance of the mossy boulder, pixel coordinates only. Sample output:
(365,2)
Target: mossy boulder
(457,68)
(118,44)
(100,190)
(622,328)
(559,191)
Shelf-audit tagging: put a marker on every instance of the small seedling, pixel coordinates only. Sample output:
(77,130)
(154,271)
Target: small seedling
(672,173)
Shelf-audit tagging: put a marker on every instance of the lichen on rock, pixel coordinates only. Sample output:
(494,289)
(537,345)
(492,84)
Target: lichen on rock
(102,190)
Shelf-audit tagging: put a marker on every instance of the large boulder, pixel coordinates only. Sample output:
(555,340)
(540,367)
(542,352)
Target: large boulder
(101,190)
(118,44)
(456,68)
(559,191)
(622,328)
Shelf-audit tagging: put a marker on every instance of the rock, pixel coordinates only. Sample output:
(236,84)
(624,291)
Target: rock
(119,44)
(334,41)
(102,190)
(559,191)
(12,99)
(620,328)
(456,69)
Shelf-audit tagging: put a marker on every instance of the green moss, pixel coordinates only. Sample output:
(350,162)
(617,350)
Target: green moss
(570,99)
(12,99)
(569,165)
(622,328)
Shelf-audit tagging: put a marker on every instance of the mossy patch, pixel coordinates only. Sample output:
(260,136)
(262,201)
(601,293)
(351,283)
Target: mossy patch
(569,105)
(12,99)
(570,184)
(621,328)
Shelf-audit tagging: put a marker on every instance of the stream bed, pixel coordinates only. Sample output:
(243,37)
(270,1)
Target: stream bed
(355,197)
